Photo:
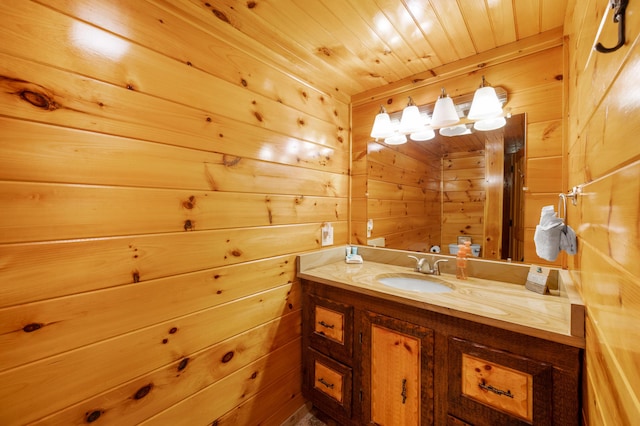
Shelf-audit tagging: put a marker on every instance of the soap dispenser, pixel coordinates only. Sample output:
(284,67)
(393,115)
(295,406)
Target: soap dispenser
(461,260)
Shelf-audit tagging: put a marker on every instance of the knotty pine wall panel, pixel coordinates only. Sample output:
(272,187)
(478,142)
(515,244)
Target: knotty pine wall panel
(604,157)
(535,85)
(155,189)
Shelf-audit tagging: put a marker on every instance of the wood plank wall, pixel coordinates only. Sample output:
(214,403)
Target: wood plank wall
(157,177)
(604,155)
(534,83)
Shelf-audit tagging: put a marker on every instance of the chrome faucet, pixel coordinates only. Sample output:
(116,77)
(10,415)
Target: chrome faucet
(420,265)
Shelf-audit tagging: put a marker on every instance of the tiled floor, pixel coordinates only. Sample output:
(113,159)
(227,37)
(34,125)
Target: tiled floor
(310,420)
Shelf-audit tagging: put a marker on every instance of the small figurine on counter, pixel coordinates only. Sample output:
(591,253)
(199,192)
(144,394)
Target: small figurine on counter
(461,260)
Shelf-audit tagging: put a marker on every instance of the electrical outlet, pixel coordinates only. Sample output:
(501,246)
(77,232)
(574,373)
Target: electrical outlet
(327,234)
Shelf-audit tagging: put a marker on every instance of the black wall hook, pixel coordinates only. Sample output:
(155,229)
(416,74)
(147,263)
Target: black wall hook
(619,7)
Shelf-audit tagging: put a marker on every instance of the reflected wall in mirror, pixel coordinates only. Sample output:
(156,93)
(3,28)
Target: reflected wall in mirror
(421,194)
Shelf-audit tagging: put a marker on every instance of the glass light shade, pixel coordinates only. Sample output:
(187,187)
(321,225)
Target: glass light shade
(444,113)
(485,104)
(382,125)
(425,134)
(411,120)
(396,139)
(458,130)
(490,124)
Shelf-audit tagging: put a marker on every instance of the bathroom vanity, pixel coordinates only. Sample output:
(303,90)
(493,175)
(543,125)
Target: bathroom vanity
(482,352)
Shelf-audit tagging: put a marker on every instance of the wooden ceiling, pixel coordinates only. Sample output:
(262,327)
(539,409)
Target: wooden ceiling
(352,46)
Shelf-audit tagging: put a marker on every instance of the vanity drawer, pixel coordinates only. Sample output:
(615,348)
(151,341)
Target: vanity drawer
(329,383)
(331,330)
(498,387)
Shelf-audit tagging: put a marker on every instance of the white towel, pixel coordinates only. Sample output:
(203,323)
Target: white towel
(547,235)
(568,240)
(553,235)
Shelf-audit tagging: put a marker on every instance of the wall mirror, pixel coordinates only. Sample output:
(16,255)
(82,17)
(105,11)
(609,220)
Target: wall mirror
(428,193)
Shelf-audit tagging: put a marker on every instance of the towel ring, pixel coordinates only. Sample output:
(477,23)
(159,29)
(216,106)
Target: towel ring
(562,201)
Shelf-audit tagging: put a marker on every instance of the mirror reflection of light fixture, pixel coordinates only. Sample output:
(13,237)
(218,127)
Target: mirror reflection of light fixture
(460,129)
(382,125)
(444,113)
(425,134)
(396,139)
(490,124)
(411,120)
(485,103)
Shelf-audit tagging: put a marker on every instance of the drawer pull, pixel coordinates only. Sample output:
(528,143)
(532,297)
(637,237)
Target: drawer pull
(404,390)
(495,390)
(325,325)
(324,382)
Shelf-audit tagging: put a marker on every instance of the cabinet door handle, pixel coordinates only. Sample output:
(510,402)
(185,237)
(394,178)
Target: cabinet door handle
(325,325)
(404,391)
(324,382)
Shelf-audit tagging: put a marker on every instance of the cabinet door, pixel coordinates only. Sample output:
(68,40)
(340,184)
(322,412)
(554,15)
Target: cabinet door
(397,372)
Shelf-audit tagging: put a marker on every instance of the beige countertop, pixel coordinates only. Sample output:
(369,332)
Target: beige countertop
(556,317)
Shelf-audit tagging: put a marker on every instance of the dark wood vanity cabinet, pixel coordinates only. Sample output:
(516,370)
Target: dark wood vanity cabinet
(371,361)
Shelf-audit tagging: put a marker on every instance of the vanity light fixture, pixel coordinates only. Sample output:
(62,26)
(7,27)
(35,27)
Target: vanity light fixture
(382,125)
(484,107)
(444,113)
(411,120)
(485,103)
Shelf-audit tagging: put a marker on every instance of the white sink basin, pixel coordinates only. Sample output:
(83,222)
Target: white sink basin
(408,282)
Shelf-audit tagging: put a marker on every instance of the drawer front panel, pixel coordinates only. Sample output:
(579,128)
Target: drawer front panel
(500,387)
(489,386)
(330,324)
(329,384)
(330,328)
(328,381)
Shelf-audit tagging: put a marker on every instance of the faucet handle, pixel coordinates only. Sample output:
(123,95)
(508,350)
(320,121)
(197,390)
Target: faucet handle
(436,266)
(419,262)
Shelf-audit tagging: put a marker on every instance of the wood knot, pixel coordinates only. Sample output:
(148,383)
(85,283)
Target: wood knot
(93,416)
(190,203)
(251,4)
(244,82)
(227,357)
(221,16)
(38,100)
(29,328)
(236,253)
(136,277)
(230,161)
(325,51)
(258,116)
(559,77)
(254,375)
(188,225)
(143,391)
(183,364)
